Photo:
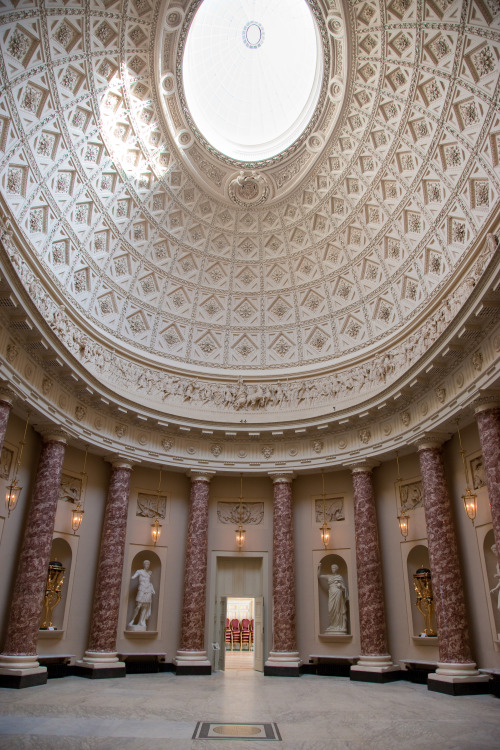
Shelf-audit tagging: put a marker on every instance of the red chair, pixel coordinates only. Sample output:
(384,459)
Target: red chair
(251,632)
(228,635)
(245,633)
(235,633)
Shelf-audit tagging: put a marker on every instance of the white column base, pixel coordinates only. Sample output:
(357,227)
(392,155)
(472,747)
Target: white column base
(191,659)
(100,660)
(375,664)
(20,665)
(284,659)
(447,672)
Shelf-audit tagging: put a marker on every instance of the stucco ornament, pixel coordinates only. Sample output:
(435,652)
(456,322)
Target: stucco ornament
(249,189)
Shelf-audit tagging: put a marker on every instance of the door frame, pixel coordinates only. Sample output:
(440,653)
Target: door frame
(214,595)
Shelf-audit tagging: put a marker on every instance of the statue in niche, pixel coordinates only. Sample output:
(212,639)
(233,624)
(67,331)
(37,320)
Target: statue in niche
(497,575)
(337,599)
(143,599)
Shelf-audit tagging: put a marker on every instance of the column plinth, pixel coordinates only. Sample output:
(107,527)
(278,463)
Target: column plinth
(19,666)
(191,656)
(456,673)
(101,659)
(375,663)
(284,659)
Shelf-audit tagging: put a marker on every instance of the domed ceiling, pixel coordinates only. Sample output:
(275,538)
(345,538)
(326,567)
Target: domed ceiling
(178,262)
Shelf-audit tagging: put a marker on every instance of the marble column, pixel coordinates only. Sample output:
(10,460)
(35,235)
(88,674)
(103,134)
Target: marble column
(5,408)
(375,663)
(191,657)
(19,666)
(101,659)
(284,657)
(456,672)
(488,424)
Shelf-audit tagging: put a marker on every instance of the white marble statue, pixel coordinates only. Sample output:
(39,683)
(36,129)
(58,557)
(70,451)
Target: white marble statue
(143,599)
(337,599)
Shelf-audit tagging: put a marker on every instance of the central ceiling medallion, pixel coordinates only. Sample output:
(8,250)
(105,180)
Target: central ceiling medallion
(252,86)
(253,35)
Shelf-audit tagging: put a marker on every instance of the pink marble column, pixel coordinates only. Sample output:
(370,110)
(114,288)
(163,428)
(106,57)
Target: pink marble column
(455,659)
(284,657)
(488,424)
(19,652)
(101,652)
(191,657)
(5,408)
(374,658)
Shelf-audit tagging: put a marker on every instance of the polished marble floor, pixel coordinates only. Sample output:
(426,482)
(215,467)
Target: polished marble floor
(161,712)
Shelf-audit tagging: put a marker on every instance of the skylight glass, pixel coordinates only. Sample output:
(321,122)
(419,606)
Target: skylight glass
(252,72)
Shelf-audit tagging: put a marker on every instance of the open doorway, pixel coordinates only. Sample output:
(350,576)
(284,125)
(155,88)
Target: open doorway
(240,633)
(239,598)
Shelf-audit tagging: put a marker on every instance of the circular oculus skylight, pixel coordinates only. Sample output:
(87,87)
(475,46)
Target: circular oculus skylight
(252,73)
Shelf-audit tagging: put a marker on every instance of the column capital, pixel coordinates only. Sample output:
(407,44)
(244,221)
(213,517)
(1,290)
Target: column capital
(431,440)
(51,433)
(285,477)
(200,475)
(119,462)
(7,394)
(362,465)
(486,400)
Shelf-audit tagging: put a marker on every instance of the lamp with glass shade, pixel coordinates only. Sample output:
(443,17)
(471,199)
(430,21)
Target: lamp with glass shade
(77,513)
(13,490)
(403,518)
(156,526)
(324,529)
(469,498)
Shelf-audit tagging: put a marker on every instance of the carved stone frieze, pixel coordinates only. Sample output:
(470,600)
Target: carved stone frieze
(331,510)
(249,514)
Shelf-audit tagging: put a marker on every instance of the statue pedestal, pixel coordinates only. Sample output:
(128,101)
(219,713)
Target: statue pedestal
(375,669)
(20,671)
(98,665)
(458,679)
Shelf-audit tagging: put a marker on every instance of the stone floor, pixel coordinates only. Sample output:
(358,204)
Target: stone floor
(149,712)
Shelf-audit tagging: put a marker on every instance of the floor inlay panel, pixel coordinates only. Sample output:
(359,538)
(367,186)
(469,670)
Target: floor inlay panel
(213,730)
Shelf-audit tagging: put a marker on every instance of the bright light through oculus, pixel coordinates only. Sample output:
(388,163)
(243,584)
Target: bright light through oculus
(252,73)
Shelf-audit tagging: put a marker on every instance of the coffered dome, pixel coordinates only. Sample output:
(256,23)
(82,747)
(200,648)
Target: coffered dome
(176,258)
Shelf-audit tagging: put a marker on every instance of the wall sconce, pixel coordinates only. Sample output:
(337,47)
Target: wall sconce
(403,518)
(324,529)
(469,498)
(13,489)
(156,526)
(77,513)
(240,531)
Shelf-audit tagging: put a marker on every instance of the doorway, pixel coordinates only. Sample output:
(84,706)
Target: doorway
(238,603)
(240,631)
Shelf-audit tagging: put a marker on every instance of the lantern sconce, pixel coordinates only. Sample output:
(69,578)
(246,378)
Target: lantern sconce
(14,489)
(77,513)
(324,529)
(403,518)
(469,498)
(240,531)
(156,526)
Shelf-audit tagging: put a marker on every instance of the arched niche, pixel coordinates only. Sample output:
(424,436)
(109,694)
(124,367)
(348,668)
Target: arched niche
(325,569)
(418,557)
(60,552)
(493,578)
(155,567)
